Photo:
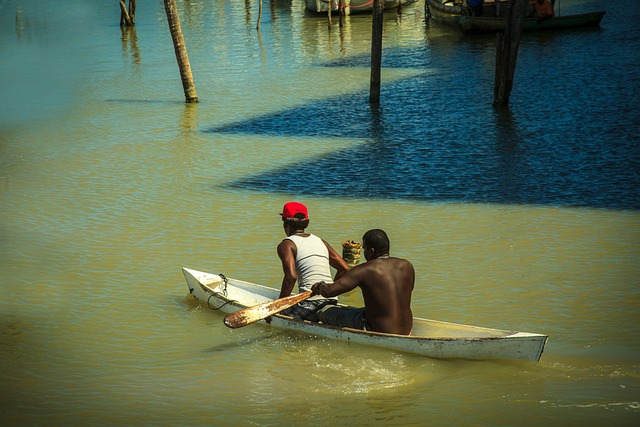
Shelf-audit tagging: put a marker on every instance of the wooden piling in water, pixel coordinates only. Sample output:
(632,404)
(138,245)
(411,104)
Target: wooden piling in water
(128,17)
(376,51)
(507,44)
(181,51)
(259,15)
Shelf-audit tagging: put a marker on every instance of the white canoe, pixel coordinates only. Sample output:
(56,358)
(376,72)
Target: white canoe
(430,338)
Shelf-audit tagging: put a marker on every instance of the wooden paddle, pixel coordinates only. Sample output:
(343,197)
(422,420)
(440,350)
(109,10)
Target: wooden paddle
(249,315)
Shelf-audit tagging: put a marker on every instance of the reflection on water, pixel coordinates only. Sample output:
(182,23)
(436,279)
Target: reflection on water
(130,44)
(109,184)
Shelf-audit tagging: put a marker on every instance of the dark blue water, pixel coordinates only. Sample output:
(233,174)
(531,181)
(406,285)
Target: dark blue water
(570,136)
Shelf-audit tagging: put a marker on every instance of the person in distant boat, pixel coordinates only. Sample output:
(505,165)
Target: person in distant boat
(475,7)
(306,259)
(386,284)
(543,9)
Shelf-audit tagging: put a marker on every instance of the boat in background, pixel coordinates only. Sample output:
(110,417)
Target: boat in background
(486,24)
(429,338)
(494,17)
(447,10)
(352,6)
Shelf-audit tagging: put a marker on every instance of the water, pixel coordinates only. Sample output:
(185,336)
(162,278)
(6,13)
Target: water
(525,220)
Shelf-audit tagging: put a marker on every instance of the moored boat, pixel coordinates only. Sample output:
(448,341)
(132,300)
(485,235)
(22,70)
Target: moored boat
(352,6)
(429,338)
(446,11)
(486,24)
(494,15)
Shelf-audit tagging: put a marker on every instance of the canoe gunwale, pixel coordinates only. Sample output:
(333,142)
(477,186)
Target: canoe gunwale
(505,334)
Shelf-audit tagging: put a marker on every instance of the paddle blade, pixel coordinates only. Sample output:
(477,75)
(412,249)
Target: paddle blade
(249,315)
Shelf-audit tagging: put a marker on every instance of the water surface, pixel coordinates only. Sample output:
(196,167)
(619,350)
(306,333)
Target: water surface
(525,219)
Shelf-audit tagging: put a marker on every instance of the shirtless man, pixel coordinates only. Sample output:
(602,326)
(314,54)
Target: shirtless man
(544,9)
(386,284)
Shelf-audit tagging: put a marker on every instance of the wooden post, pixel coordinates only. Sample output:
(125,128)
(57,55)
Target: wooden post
(181,51)
(507,52)
(125,17)
(376,51)
(132,10)
(259,15)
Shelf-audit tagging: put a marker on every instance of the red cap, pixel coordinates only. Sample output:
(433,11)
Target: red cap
(290,210)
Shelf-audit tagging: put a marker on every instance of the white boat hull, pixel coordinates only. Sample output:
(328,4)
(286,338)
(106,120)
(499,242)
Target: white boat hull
(430,338)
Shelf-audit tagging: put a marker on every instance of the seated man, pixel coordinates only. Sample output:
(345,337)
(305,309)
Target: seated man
(544,9)
(386,284)
(305,259)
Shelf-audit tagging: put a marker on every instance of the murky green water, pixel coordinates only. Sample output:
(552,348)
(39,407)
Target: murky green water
(109,184)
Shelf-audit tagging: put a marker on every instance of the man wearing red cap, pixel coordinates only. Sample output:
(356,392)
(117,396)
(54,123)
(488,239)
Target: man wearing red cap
(307,259)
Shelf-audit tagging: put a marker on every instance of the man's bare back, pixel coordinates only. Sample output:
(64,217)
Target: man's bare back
(386,284)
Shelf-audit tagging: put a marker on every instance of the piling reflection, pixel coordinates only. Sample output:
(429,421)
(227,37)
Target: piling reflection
(130,44)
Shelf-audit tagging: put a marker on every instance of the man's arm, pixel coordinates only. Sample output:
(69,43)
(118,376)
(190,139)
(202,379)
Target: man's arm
(337,262)
(287,256)
(348,282)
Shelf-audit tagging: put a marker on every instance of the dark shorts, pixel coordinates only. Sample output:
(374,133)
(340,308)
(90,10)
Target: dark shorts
(350,317)
(306,310)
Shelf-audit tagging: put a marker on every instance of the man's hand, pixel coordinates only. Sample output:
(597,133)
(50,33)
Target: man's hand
(316,288)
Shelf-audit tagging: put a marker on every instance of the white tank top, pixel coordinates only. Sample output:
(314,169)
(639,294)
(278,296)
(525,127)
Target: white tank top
(312,262)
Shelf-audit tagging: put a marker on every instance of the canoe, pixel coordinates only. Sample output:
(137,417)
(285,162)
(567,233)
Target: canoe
(429,338)
(486,24)
(353,6)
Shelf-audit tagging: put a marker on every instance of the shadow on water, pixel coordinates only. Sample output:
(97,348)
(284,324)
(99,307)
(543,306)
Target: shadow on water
(436,136)
(425,152)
